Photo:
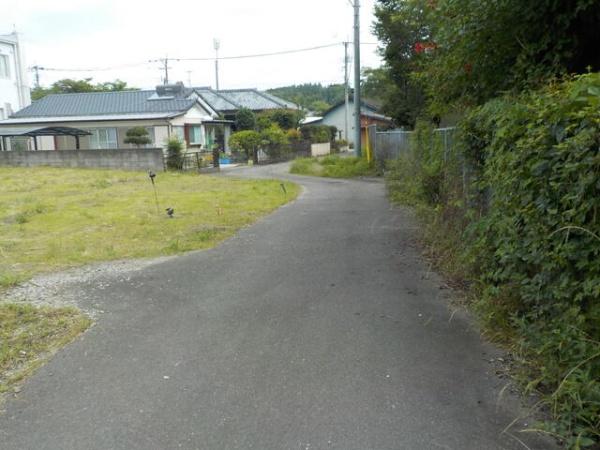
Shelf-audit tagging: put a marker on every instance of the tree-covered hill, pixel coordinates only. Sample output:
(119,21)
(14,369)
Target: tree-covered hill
(312,96)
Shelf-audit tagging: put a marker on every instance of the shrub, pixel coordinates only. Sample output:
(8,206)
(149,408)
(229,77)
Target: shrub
(286,119)
(521,197)
(316,133)
(293,135)
(542,244)
(247,141)
(274,141)
(174,156)
(137,136)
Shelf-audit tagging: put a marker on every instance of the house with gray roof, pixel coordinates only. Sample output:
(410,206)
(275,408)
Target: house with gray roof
(343,119)
(199,116)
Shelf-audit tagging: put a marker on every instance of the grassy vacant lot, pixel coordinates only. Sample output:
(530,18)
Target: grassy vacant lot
(333,166)
(58,218)
(53,219)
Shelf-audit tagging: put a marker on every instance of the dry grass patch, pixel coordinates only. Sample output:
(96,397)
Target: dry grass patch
(29,335)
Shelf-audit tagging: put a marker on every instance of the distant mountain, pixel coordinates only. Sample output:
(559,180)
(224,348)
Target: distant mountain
(311,96)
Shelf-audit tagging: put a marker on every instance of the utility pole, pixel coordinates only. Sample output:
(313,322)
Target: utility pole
(166,69)
(37,69)
(216,44)
(357,137)
(346,91)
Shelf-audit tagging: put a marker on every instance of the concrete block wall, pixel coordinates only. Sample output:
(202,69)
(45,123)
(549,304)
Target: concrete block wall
(320,149)
(122,159)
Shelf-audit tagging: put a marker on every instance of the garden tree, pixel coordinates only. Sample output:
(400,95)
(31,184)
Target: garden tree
(137,136)
(263,121)
(274,141)
(174,157)
(319,106)
(400,26)
(284,118)
(245,119)
(69,86)
(247,141)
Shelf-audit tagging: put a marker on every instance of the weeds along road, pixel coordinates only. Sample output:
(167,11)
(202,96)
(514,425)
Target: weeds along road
(320,327)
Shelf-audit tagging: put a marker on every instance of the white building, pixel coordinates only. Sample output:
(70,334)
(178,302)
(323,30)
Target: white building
(14,88)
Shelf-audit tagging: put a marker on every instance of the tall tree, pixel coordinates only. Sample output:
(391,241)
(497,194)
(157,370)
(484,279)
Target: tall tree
(245,119)
(401,27)
(484,48)
(468,51)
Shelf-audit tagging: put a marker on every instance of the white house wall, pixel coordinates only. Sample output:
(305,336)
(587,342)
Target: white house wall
(14,90)
(195,115)
(337,118)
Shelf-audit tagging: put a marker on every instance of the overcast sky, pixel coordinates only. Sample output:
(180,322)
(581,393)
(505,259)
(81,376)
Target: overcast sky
(68,34)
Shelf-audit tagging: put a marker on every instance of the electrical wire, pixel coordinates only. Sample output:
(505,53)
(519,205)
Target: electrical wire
(212,58)
(257,55)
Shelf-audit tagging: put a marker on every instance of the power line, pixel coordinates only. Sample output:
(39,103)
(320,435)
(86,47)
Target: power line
(261,55)
(208,58)
(91,69)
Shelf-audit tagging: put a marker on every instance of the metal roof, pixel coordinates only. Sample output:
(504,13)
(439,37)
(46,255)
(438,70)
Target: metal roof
(45,131)
(104,103)
(366,109)
(144,104)
(234,99)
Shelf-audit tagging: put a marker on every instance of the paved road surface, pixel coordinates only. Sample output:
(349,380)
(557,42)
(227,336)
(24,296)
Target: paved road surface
(320,327)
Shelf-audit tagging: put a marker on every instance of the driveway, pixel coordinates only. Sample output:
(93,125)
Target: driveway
(320,327)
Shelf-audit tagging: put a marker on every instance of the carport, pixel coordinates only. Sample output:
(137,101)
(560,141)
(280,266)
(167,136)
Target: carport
(34,132)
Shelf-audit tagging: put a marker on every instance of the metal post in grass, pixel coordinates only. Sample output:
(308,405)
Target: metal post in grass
(152,175)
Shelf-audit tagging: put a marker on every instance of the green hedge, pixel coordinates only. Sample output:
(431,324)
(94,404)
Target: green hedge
(528,229)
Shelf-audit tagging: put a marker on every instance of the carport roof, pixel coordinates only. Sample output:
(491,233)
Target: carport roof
(45,131)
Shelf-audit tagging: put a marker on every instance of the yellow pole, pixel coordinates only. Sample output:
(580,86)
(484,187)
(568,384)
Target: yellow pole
(368,144)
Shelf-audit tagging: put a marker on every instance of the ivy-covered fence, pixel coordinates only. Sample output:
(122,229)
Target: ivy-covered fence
(520,199)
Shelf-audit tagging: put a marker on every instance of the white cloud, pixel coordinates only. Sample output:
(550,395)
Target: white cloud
(94,33)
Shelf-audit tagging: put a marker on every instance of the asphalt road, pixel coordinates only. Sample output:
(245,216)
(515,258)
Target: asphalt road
(320,327)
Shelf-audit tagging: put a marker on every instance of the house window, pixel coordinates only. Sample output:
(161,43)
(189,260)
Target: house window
(179,133)
(195,135)
(103,138)
(19,143)
(4,67)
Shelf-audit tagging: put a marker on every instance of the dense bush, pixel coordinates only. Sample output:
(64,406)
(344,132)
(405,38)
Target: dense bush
(522,193)
(317,133)
(286,119)
(245,119)
(274,141)
(247,141)
(174,156)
